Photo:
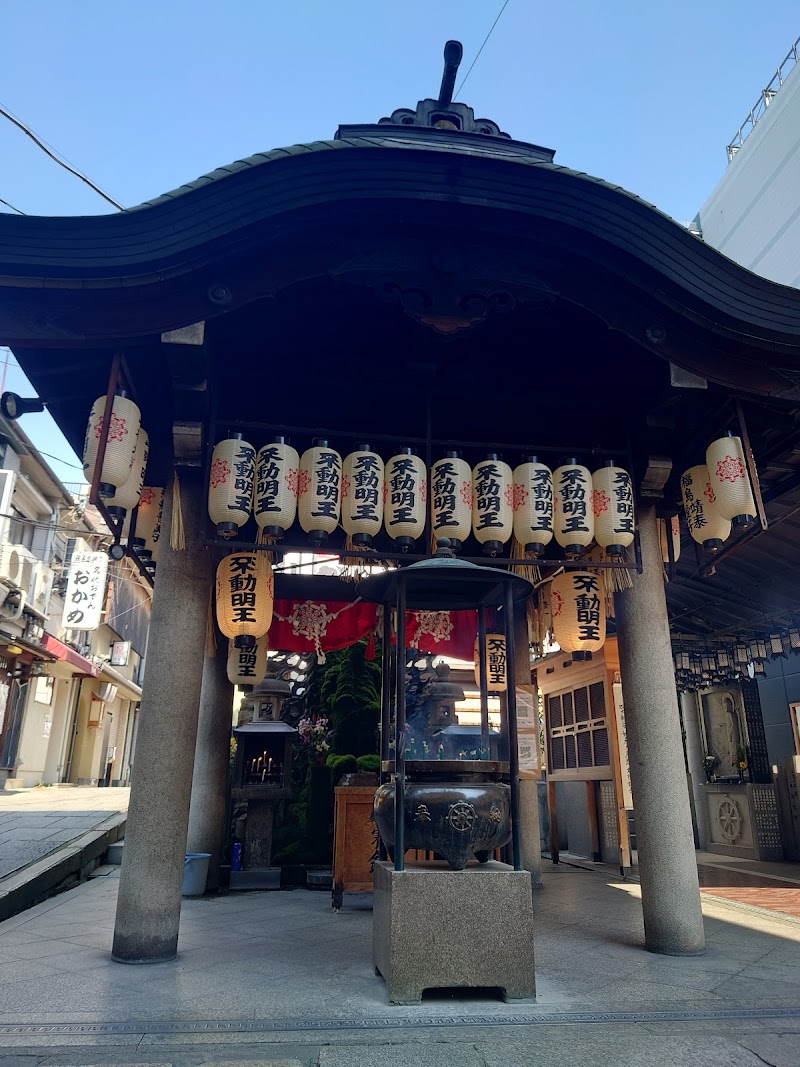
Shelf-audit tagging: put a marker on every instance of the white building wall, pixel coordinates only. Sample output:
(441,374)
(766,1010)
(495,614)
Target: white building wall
(753,215)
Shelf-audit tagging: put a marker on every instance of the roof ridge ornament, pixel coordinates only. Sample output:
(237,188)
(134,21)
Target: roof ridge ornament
(442,113)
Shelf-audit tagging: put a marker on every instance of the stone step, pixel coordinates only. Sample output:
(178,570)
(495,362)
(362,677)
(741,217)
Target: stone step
(113,855)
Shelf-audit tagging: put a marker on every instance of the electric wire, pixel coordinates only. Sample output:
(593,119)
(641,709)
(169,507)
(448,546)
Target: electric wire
(2,201)
(57,158)
(485,42)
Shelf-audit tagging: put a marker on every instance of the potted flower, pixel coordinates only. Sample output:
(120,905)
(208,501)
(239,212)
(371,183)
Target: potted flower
(739,762)
(709,763)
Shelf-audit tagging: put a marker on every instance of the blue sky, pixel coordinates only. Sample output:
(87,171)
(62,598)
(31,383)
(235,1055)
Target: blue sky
(145,96)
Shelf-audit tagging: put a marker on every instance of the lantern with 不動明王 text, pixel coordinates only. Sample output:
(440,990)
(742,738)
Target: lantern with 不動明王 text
(496,681)
(245,597)
(727,473)
(579,618)
(492,503)
(247,666)
(127,496)
(707,527)
(123,432)
(669,531)
(320,491)
(533,505)
(148,521)
(612,504)
(230,484)
(275,495)
(573,517)
(362,495)
(451,499)
(406,498)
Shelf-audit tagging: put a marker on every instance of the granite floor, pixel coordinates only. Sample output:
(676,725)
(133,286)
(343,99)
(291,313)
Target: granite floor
(279,977)
(36,822)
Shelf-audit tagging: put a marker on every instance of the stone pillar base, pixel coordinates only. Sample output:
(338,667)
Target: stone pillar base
(256,878)
(437,928)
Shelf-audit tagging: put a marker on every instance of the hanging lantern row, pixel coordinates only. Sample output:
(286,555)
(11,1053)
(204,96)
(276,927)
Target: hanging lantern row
(699,669)
(717,495)
(365,495)
(124,469)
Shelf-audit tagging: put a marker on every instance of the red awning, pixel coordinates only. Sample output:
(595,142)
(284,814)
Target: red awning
(69,655)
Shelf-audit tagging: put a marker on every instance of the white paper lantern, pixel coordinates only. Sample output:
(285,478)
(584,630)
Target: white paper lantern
(727,472)
(275,497)
(492,503)
(579,620)
(248,666)
(148,521)
(670,529)
(320,491)
(406,498)
(612,505)
(120,445)
(451,499)
(362,495)
(245,597)
(230,484)
(496,671)
(707,527)
(573,517)
(533,505)
(127,496)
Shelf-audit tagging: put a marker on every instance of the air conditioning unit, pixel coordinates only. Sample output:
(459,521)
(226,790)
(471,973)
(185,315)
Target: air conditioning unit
(16,566)
(43,589)
(107,692)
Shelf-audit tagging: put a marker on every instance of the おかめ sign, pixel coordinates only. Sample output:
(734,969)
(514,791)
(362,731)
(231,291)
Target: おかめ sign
(86,590)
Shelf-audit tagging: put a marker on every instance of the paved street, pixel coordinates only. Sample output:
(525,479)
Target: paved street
(36,822)
(265,977)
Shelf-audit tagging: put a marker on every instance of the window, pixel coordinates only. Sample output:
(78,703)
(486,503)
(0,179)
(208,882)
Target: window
(577,730)
(20,531)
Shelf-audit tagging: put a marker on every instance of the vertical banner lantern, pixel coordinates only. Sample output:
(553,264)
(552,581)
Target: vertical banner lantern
(275,497)
(230,484)
(247,666)
(573,517)
(148,520)
(612,505)
(127,496)
(577,601)
(245,596)
(320,491)
(670,530)
(727,473)
(492,503)
(533,505)
(85,597)
(496,679)
(707,527)
(451,499)
(362,495)
(406,498)
(123,432)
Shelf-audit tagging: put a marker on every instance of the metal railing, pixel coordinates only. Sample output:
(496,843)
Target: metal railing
(767,96)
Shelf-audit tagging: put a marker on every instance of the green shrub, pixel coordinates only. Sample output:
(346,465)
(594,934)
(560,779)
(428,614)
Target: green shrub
(370,763)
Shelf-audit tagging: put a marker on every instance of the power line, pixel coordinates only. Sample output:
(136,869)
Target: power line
(485,40)
(11,206)
(40,143)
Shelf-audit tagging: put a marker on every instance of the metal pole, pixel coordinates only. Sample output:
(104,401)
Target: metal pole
(400,732)
(482,679)
(386,684)
(511,719)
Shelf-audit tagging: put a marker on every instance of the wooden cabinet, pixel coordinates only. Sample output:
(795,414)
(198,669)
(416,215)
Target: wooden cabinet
(355,841)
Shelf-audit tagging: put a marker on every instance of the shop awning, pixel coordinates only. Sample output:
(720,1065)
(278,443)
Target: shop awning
(126,689)
(59,651)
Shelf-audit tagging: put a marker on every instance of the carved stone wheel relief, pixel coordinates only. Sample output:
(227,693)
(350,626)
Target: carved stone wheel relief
(730,819)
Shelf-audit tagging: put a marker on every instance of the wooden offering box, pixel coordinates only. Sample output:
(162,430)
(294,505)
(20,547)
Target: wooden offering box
(355,841)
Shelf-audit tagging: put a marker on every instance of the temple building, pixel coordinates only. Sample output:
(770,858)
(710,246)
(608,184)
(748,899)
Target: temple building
(527,419)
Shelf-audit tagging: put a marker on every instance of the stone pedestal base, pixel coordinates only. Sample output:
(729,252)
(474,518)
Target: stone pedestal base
(743,820)
(437,928)
(258,878)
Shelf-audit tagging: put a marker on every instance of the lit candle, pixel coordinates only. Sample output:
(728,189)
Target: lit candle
(263,773)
